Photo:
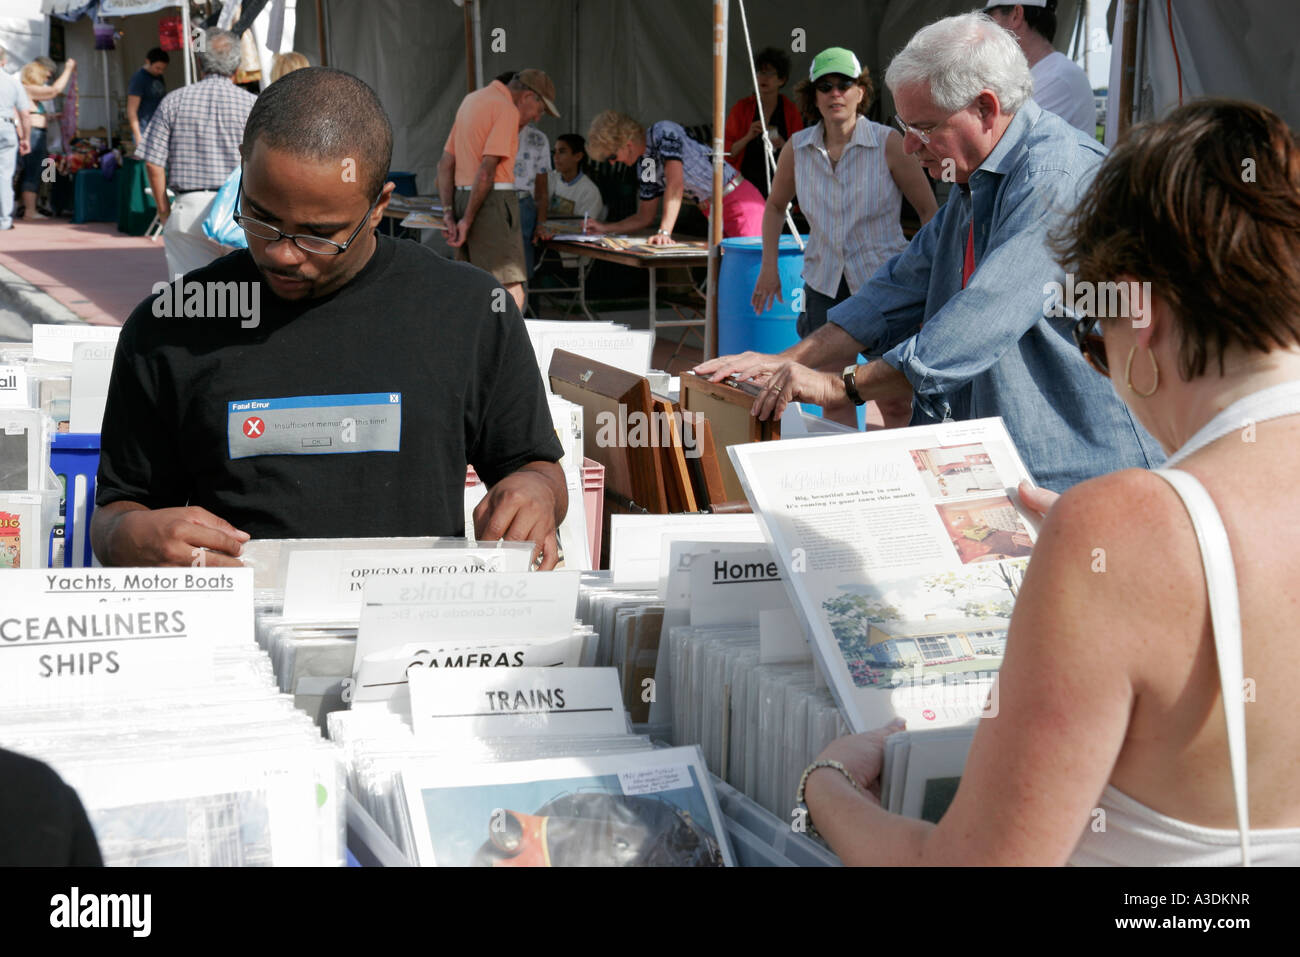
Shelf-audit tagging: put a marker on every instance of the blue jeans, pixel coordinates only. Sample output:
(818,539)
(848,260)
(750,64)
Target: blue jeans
(527,223)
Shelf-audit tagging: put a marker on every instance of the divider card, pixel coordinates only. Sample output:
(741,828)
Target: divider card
(92,365)
(903,557)
(516,701)
(328,585)
(638,544)
(637,809)
(53,342)
(685,559)
(95,634)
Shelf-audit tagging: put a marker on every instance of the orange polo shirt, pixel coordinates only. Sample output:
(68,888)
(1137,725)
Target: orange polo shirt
(487,124)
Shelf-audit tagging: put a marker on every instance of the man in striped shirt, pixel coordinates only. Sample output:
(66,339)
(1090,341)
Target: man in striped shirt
(192,145)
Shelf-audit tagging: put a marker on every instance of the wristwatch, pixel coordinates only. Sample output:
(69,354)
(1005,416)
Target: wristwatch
(849,375)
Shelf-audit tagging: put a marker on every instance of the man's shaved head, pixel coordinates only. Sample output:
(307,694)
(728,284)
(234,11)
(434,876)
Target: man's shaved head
(324,114)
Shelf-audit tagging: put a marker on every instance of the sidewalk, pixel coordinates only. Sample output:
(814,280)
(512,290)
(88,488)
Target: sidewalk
(99,274)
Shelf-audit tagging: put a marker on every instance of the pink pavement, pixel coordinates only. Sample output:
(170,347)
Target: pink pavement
(97,272)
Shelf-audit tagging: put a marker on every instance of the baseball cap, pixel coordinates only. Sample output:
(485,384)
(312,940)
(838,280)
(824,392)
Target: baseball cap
(1024,3)
(541,84)
(834,60)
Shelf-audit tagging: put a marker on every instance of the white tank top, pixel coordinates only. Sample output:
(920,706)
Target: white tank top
(1134,834)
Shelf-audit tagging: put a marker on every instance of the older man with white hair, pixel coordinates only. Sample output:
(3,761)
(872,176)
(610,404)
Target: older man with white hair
(960,321)
(192,145)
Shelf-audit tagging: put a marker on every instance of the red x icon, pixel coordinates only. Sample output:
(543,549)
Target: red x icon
(253,427)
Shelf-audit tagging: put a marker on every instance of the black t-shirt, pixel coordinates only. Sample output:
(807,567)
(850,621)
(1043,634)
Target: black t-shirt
(344,416)
(151,90)
(42,822)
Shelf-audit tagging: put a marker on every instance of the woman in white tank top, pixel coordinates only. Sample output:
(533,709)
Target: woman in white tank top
(1146,701)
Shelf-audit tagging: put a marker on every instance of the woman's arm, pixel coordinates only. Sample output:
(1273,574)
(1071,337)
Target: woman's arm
(768,284)
(674,190)
(1060,714)
(910,177)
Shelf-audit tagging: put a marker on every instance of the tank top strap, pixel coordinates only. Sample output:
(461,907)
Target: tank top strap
(1225,623)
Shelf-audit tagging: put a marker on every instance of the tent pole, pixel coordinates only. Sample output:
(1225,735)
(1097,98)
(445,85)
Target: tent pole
(108,103)
(320,33)
(1128,68)
(469,46)
(187,42)
(715,207)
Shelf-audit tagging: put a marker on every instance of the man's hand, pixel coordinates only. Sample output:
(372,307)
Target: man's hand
(171,536)
(525,506)
(597,229)
(541,233)
(792,382)
(660,239)
(457,236)
(24,146)
(449,225)
(746,365)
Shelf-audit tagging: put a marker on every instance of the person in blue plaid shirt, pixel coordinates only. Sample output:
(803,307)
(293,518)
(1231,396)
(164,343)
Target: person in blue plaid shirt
(192,145)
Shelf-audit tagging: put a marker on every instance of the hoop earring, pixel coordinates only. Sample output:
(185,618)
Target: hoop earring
(1128,374)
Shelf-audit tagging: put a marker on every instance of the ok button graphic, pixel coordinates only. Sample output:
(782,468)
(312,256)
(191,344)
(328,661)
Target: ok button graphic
(253,427)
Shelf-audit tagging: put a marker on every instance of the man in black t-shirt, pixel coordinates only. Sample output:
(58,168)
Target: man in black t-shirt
(325,382)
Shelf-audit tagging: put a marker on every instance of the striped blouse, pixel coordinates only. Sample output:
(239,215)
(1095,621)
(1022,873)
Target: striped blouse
(852,210)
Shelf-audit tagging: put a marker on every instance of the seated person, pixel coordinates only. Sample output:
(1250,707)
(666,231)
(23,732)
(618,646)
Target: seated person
(672,165)
(1110,698)
(335,383)
(572,191)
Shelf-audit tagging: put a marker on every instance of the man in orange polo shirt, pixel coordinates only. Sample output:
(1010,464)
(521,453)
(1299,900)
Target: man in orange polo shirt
(482,212)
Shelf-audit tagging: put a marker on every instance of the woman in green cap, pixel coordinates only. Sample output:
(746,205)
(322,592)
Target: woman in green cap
(850,175)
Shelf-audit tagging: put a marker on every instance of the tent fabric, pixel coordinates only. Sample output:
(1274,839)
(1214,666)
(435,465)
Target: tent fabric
(1236,48)
(651,60)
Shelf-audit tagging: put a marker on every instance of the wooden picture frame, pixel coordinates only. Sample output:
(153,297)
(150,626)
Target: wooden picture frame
(613,398)
(726,406)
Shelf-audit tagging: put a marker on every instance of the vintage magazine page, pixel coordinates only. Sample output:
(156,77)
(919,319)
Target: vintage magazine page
(903,551)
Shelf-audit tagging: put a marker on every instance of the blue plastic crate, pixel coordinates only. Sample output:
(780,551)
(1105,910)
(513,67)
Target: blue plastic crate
(74,457)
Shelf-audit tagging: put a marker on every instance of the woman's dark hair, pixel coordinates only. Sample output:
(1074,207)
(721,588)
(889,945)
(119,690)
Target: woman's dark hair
(806,96)
(1204,205)
(774,57)
(1040,19)
(578,144)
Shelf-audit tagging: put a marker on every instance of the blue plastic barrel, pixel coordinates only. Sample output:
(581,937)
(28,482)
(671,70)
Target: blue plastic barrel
(739,328)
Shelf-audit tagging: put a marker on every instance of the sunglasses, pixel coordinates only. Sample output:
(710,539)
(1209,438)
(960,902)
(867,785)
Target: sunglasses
(825,86)
(1091,344)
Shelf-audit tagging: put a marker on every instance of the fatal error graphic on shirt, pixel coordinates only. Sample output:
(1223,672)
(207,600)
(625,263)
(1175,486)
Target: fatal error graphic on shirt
(315,424)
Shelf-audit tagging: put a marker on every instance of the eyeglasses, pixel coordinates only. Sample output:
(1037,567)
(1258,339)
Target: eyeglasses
(825,86)
(924,136)
(769,74)
(307,243)
(1091,344)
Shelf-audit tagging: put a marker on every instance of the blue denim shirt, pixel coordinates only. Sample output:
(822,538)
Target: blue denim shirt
(989,349)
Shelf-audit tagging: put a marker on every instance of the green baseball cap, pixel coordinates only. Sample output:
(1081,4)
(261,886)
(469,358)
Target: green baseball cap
(834,60)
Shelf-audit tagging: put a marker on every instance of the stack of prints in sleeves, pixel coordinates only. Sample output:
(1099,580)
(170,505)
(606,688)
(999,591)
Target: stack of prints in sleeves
(308,601)
(528,792)
(144,690)
(902,552)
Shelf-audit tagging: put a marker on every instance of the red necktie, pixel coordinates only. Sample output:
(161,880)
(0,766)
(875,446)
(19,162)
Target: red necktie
(968,266)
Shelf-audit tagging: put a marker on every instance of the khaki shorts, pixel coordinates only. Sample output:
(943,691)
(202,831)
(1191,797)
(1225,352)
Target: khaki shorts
(495,243)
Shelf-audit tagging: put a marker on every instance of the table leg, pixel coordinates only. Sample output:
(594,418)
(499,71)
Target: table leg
(653,285)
